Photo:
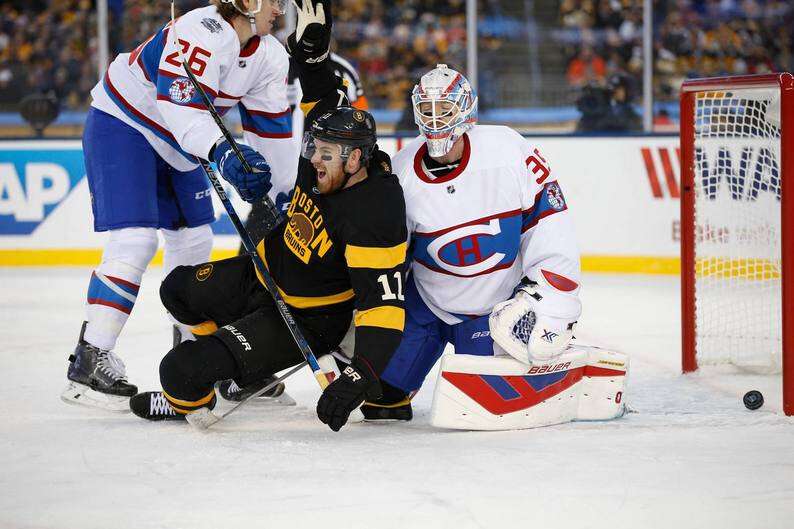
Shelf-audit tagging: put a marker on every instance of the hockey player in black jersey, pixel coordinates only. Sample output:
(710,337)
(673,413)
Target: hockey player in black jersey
(342,247)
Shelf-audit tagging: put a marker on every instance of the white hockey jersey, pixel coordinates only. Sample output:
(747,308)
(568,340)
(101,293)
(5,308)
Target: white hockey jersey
(476,231)
(148,89)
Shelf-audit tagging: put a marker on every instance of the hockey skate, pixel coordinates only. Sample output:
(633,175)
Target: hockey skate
(97,378)
(229,390)
(153,406)
(394,405)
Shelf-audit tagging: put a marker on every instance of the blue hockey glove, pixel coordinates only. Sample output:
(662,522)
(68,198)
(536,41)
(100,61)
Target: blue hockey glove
(250,186)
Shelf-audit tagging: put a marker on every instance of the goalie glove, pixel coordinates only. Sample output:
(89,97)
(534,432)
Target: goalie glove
(536,324)
(311,41)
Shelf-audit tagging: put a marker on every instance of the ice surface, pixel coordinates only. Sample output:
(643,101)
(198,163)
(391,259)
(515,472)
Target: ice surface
(692,456)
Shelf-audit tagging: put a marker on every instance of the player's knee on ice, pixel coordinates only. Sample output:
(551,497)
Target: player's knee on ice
(189,371)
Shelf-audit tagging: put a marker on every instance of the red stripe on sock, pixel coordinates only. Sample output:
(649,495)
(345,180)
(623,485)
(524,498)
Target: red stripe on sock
(97,301)
(120,281)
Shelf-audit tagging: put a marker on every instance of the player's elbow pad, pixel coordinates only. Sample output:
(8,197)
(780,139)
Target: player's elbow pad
(537,323)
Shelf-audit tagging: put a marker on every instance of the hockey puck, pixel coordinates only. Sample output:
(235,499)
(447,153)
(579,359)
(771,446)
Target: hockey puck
(753,400)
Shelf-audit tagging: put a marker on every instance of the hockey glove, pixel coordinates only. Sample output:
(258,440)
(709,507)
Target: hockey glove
(356,383)
(311,41)
(250,186)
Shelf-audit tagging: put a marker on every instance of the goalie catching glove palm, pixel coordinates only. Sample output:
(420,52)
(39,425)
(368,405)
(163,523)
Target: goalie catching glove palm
(356,383)
(536,324)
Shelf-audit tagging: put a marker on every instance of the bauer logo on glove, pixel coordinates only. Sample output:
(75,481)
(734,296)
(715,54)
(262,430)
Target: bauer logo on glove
(536,324)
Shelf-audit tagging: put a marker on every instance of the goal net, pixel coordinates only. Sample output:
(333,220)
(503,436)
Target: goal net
(732,232)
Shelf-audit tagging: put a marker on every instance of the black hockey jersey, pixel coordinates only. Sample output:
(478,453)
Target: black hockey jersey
(345,250)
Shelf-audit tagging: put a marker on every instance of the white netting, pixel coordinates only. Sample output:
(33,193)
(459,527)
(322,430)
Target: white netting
(737,228)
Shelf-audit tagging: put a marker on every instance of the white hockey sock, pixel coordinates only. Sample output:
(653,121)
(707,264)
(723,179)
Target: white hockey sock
(114,285)
(186,246)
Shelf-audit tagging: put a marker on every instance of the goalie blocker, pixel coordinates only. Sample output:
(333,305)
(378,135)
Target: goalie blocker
(584,383)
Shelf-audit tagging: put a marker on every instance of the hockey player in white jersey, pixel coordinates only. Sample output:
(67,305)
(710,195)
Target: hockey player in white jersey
(144,130)
(495,270)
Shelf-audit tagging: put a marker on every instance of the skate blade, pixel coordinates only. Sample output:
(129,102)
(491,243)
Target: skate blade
(82,395)
(282,400)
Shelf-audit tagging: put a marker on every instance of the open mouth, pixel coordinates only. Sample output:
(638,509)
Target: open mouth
(320,175)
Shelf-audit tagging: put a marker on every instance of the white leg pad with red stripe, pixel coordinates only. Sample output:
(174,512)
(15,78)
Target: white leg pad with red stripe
(501,393)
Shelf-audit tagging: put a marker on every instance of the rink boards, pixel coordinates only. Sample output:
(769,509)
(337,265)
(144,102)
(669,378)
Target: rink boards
(623,193)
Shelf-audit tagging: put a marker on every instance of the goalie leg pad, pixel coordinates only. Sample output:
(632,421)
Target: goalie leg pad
(500,393)
(603,386)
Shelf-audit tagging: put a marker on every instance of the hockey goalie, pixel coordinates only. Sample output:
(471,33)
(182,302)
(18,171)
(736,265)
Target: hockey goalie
(495,273)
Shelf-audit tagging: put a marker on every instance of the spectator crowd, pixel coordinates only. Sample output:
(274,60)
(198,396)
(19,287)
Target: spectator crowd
(50,46)
(691,38)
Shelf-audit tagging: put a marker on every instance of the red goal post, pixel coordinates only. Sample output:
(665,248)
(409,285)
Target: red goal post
(730,110)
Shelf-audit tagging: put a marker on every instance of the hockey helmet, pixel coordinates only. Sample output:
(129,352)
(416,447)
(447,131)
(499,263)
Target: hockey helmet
(445,106)
(346,126)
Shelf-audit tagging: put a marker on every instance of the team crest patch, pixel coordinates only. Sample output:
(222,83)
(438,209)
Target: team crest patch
(298,235)
(181,90)
(358,116)
(204,272)
(554,194)
(213,25)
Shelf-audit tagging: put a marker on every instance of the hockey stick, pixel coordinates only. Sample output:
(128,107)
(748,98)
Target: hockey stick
(283,309)
(203,418)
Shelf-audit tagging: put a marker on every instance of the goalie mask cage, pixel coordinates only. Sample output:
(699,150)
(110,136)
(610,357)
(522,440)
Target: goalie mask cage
(737,217)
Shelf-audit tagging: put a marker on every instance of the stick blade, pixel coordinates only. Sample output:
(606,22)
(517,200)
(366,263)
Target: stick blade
(202,419)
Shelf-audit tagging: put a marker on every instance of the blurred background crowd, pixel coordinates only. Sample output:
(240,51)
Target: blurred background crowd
(551,57)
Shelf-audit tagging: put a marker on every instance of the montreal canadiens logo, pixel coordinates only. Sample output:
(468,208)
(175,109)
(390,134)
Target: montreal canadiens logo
(471,249)
(181,90)
(554,194)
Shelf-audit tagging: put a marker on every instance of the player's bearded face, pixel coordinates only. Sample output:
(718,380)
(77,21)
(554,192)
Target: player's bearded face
(327,160)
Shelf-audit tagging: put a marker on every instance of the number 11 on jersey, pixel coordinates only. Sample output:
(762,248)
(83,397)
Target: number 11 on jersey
(387,291)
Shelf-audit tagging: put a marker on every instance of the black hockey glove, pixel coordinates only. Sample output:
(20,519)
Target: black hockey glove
(311,41)
(356,383)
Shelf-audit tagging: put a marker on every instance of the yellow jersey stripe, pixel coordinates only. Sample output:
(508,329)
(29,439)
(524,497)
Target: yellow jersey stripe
(384,316)
(188,403)
(205,328)
(303,302)
(307,107)
(374,257)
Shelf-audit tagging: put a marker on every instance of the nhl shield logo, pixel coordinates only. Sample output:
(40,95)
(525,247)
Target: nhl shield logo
(181,90)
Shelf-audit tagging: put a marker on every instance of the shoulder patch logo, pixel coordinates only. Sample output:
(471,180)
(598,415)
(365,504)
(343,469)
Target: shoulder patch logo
(358,116)
(204,272)
(554,193)
(211,24)
(181,90)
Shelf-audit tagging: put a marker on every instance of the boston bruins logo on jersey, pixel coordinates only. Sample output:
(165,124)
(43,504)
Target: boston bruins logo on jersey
(305,232)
